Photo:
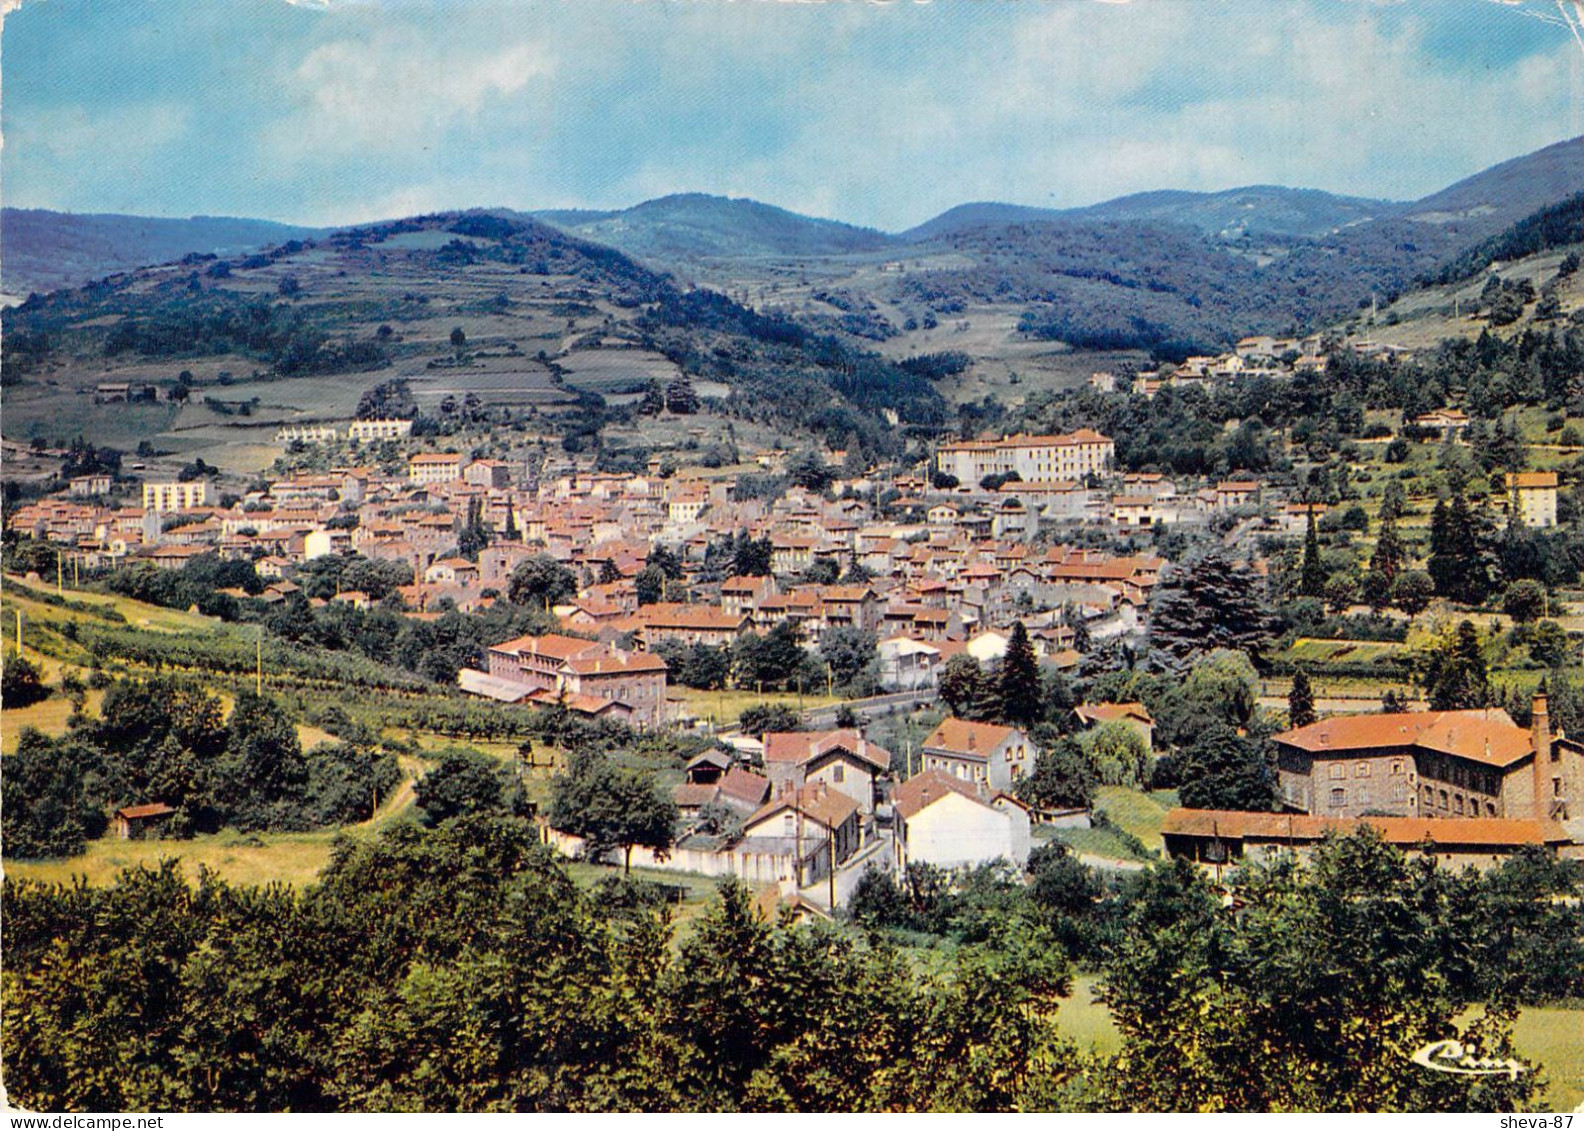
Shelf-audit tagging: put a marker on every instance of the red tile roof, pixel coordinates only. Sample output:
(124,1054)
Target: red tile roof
(1488,736)
(1232,824)
(961,737)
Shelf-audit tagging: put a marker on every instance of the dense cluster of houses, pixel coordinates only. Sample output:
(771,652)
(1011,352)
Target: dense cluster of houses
(938,572)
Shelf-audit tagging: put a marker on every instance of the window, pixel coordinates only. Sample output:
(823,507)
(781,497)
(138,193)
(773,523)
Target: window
(1338,798)
(1397,768)
(838,773)
(1399,791)
(1361,770)
(1338,771)
(1457,805)
(1443,799)
(1362,796)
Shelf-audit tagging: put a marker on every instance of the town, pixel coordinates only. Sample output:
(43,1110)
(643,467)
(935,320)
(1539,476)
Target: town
(792,558)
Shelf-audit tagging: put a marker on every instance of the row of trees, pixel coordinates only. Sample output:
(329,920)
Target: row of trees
(161,740)
(460,968)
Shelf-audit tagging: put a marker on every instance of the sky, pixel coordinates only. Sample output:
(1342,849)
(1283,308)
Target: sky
(883,114)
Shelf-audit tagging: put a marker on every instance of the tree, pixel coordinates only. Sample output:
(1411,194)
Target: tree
(458,339)
(822,571)
(680,396)
(1312,575)
(1455,675)
(1457,563)
(751,557)
(1021,702)
(961,685)
(1524,601)
(1411,592)
(769,718)
(1206,604)
(21,684)
(809,471)
(650,584)
(475,534)
(1389,553)
(773,660)
(611,807)
(1119,754)
(1225,770)
(1300,701)
(1304,993)
(541,581)
(1063,778)
(852,660)
(1548,644)
(462,783)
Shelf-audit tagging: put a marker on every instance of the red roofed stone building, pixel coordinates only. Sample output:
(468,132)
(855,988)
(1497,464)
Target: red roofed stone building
(567,666)
(1225,836)
(1467,764)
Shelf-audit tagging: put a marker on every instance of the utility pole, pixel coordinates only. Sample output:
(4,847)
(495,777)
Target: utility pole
(60,573)
(19,633)
(258,664)
(830,852)
(76,579)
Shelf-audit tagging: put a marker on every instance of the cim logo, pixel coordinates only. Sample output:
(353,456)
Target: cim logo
(1464,1060)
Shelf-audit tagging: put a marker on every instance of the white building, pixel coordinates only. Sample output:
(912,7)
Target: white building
(1035,459)
(179,496)
(943,821)
(379,430)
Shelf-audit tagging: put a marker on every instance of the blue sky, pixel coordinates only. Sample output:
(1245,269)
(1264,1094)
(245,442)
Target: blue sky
(878,113)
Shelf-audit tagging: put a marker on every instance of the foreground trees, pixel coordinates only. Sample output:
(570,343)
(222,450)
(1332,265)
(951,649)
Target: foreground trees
(461,968)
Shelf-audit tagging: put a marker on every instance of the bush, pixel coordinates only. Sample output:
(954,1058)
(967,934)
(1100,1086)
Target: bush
(21,685)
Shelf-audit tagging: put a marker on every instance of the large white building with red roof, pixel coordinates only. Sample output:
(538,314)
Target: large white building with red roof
(1035,459)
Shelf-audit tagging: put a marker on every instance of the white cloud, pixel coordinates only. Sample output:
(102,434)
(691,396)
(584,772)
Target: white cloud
(397,92)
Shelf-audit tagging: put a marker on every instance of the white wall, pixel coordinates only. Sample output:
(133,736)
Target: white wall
(955,831)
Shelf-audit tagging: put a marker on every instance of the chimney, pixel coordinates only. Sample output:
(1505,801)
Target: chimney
(1540,733)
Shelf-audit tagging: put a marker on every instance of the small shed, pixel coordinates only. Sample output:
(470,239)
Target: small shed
(134,822)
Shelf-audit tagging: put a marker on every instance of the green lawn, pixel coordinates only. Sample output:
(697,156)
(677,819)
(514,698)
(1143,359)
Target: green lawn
(724,707)
(1086,1021)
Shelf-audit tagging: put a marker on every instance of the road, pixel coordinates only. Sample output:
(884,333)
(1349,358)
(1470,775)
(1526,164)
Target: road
(877,852)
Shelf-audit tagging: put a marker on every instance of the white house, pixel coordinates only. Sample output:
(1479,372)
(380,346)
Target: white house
(996,755)
(942,820)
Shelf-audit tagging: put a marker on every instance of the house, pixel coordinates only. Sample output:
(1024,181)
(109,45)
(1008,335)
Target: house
(819,827)
(488,473)
(364,430)
(686,624)
(1471,763)
(1136,510)
(1450,422)
(1220,837)
(738,789)
(740,596)
(1135,715)
(426,468)
(842,759)
(1534,497)
(97,484)
(907,664)
(999,756)
(553,666)
(163,497)
(942,820)
(135,822)
(452,571)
